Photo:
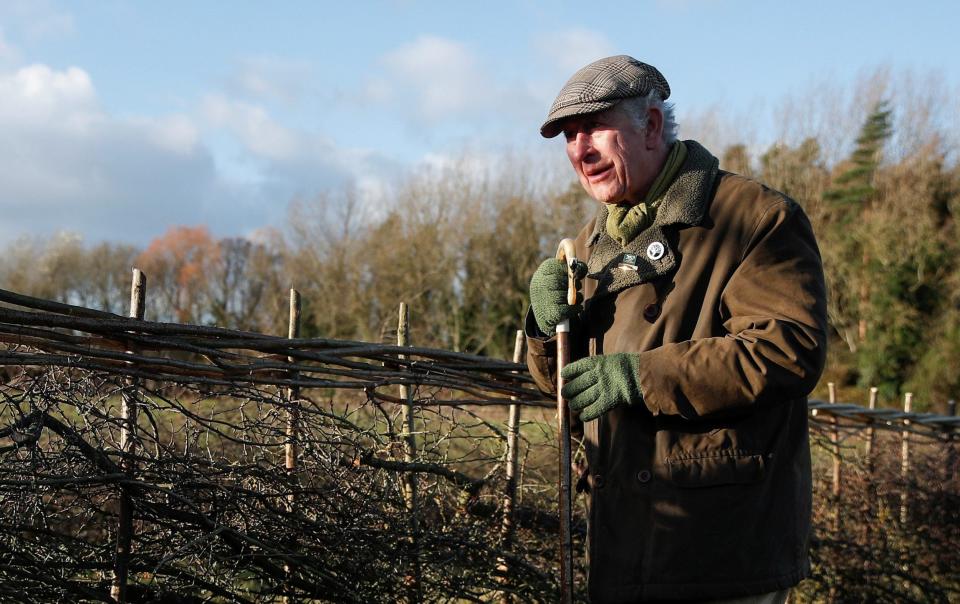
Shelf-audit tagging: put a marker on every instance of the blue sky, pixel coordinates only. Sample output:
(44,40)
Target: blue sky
(119,119)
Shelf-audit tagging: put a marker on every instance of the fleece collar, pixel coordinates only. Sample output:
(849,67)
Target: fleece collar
(652,252)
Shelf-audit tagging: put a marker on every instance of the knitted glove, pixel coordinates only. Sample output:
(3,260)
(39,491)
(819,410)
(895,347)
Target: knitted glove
(548,294)
(595,385)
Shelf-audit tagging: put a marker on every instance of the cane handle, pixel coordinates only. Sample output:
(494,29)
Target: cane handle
(568,253)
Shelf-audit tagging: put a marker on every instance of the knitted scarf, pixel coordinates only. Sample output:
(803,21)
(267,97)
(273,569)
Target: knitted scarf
(624,221)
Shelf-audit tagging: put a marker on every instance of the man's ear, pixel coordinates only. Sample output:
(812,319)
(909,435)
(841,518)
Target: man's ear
(654,133)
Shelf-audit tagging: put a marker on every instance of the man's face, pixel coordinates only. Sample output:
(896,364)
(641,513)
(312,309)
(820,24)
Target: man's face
(610,155)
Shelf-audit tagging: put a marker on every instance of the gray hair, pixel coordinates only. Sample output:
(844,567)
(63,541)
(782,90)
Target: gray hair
(638,107)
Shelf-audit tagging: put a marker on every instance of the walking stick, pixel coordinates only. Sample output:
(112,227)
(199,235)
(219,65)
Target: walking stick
(567,253)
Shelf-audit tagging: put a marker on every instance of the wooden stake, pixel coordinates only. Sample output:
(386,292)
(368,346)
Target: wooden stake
(292,396)
(835,447)
(410,454)
(905,460)
(868,448)
(868,470)
(407,429)
(510,493)
(293,393)
(128,434)
(950,467)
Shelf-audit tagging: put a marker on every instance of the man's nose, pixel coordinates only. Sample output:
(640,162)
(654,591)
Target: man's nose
(580,146)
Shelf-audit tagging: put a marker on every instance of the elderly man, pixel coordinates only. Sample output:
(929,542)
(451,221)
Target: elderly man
(702,330)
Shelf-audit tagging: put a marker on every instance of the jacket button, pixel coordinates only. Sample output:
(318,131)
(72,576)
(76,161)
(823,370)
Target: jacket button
(598,481)
(643,476)
(651,312)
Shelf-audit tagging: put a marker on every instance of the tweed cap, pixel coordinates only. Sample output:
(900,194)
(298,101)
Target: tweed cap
(601,85)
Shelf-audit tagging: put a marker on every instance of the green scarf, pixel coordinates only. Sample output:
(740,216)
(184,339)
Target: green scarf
(624,221)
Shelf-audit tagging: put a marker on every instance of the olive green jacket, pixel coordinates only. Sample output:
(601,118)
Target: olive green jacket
(704,489)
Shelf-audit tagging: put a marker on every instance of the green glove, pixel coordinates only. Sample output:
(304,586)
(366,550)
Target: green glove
(595,385)
(548,294)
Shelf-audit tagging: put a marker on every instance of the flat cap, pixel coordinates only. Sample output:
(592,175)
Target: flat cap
(601,85)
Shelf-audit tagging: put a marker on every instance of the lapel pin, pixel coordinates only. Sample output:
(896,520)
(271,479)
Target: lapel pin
(655,250)
(628,262)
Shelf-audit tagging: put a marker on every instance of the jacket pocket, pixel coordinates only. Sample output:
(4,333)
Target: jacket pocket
(706,456)
(715,468)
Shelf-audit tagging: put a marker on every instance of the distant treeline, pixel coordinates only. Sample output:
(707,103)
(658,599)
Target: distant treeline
(459,247)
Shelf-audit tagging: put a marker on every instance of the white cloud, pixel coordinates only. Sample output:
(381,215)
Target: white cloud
(436,84)
(441,75)
(175,133)
(270,78)
(8,52)
(258,132)
(286,163)
(37,94)
(571,49)
(65,164)
(37,18)
(377,90)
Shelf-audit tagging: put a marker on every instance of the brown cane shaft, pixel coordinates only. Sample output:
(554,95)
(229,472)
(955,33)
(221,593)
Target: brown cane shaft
(565,252)
(565,485)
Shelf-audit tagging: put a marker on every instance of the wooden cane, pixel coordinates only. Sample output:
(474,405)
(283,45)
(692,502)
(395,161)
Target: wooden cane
(566,253)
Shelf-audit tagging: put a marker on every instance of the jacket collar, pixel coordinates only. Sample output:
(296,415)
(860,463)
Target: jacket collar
(684,203)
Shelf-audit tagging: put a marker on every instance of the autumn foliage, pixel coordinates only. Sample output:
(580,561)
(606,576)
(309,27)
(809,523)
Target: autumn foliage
(178,263)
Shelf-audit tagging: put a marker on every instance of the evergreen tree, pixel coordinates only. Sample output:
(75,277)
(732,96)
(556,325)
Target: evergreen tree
(847,204)
(853,189)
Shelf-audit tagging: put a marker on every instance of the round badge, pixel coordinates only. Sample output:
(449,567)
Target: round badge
(655,250)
